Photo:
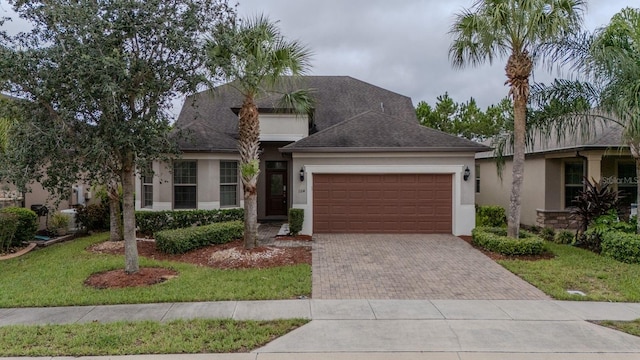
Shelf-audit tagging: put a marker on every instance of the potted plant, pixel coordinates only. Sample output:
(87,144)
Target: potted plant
(59,223)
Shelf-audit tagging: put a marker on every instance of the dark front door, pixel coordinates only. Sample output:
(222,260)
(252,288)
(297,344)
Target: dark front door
(276,189)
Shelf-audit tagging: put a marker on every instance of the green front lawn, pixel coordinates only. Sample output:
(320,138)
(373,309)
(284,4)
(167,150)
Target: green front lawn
(147,337)
(54,276)
(600,278)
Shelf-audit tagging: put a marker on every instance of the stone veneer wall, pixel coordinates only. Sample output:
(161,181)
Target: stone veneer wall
(557,219)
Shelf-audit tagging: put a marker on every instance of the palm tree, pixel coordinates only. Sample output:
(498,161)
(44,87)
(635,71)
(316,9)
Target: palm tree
(606,87)
(518,29)
(254,58)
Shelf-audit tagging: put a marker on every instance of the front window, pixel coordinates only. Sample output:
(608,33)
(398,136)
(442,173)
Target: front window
(477,178)
(573,181)
(147,187)
(627,183)
(185,184)
(228,183)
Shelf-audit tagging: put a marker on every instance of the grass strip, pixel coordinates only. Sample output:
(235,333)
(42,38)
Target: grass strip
(55,276)
(600,278)
(146,337)
(629,327)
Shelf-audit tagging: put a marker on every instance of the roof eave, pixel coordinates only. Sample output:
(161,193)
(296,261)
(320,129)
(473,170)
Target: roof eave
(382,149)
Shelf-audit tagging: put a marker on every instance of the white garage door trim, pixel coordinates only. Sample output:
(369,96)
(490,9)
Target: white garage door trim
(459,211)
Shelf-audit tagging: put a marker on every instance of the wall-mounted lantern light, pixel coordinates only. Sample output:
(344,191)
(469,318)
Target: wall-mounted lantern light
(302,174)
(467,173)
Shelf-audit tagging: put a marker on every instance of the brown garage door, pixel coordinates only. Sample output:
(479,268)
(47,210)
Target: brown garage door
(382,203)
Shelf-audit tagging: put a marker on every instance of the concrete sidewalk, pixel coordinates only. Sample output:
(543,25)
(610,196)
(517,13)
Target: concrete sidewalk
(385,329)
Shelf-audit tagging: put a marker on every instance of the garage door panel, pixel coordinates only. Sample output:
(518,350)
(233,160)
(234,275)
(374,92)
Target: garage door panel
(384,203)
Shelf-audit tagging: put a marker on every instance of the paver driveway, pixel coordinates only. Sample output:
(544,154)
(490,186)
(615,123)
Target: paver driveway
(365,266)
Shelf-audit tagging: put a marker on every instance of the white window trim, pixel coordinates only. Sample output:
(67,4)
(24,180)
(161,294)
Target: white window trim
(173,184)
(236,184)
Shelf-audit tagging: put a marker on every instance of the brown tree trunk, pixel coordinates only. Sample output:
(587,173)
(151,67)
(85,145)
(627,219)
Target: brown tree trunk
(248,146)
(130,247)
(518,70)
(519,133)
(115,215)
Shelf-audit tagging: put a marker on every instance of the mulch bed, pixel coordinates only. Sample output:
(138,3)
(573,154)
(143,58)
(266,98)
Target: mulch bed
(226,256)
(496,256)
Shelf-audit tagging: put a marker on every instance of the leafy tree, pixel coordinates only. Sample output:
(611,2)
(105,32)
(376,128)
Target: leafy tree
(255,58)
(100,77)
(605,86)
(517,29)
(466,119)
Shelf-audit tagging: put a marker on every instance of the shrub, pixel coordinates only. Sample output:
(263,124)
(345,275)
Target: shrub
(495,239)
(296,218)
(180,241)
(564,237)
(621,246)
(547,234)
(592,238)
(27,224)
(149,222)
(93,217)
(8,226)
(595,200)
(490,216)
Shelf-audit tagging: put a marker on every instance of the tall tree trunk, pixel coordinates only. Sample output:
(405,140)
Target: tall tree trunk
(519,133)
(115,215)
(130,247)
(518,70)
(248,146)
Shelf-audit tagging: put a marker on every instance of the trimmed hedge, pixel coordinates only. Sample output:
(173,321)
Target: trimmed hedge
(180,241)
(496,240)
(490,216)
(296,218)
(621,246)
(27,224)
(149,222)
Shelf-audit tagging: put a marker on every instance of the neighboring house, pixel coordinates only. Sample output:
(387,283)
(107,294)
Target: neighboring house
(359,162)
(554,173)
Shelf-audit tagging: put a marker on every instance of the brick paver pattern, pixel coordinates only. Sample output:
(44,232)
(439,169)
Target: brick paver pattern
(365,266)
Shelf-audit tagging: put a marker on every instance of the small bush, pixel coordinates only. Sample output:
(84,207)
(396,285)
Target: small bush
(59,221)
(490,216)
(495,239)
(564,237)
(149,222)
(8,226)
(180,241)
(621,246)
(609,222)
(93,217)
(27,224)
(547,234)
(296,218)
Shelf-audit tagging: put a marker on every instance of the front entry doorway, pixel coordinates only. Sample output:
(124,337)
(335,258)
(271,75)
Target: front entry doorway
(276,188)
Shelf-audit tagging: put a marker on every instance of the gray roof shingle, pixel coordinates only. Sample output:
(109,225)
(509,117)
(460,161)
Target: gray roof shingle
(211,124)
(376,131)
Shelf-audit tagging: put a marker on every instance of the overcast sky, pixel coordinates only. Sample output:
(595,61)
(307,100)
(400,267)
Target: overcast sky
(398,45)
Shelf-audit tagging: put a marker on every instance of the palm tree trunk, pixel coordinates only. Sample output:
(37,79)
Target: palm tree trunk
(130,247)
(249,143)
(519,133)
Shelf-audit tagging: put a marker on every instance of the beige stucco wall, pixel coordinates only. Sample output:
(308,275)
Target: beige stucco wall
(283,127)
(354,163)
(496,191)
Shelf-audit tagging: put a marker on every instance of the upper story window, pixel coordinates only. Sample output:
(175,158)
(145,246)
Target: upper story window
(185,175)
(228,183)
(573,181)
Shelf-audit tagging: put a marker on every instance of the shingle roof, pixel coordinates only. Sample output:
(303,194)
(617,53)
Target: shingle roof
(376,131)
(603,136)
(209,119)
